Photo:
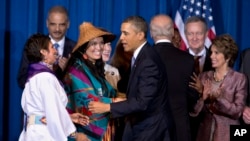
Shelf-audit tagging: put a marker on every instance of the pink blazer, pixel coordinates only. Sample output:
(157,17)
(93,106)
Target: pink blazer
(224,111)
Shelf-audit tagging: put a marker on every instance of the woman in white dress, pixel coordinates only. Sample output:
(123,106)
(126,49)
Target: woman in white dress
(44,99)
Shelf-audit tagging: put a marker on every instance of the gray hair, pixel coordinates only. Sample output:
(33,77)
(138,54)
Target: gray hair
(195,19)
(165,30)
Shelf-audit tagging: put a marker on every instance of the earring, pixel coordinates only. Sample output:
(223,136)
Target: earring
(85,56)
(45,60)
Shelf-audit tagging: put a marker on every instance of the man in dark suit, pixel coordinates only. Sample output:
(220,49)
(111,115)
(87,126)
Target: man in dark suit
(57,24)
(179,66)
(196,31)
(146,108)
(245,68)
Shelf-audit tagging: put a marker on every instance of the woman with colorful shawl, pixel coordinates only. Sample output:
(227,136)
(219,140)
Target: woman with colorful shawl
(85,80)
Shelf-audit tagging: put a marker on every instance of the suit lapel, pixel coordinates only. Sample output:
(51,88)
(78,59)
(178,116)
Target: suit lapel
(66,48)
(136,64)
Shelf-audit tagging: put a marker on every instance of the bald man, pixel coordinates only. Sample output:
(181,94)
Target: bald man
(179,66)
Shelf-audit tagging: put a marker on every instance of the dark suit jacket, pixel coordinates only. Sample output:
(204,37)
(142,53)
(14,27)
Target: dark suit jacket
(194,96)
(179,66)
(23,68)
(208,64)
(245,68)
(146,105)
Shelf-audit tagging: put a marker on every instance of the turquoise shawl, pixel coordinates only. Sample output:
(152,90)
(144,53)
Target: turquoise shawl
(82,87)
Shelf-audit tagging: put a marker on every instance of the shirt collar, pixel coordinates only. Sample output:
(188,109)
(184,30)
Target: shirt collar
(163,41)
(201,53)
(138,49)
(61,42)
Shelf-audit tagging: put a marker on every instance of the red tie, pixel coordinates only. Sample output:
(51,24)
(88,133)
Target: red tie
(197,64)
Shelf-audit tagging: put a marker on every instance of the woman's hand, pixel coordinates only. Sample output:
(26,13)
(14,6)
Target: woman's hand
(246,115)
(196,84)
(215,95)
(206,90)
(81,137)
(79,119)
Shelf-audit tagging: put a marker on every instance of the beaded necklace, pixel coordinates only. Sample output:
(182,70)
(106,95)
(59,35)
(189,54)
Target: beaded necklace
(219,80)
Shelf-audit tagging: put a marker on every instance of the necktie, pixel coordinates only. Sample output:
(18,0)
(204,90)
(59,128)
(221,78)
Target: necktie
(197,64)
(56,46)
(132,62)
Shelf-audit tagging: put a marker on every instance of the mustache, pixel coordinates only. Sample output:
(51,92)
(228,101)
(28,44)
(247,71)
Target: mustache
(57,32)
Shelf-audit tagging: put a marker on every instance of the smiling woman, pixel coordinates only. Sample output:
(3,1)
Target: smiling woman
(222,92)
(85,80)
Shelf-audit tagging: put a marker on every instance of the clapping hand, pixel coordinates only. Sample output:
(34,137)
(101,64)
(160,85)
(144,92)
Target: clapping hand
(62,62)
(196,84)
(246,115)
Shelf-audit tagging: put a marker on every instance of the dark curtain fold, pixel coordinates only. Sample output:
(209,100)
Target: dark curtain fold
(22,18)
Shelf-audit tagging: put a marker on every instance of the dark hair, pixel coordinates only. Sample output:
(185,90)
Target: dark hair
(121,59)
(33,45)
(139,23)
(195,19)
(58,9)
(96,69)
(176,40)
(227,46)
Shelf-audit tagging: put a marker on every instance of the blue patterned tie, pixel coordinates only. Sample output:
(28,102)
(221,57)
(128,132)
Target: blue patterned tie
(56,46)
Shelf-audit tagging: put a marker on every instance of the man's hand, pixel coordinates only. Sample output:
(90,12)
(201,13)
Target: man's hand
(98,107)
(62,62)
(246,115)
(119,99)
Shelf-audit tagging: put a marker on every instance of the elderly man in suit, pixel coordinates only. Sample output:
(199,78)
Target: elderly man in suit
(179,66)
(196,31)
(146,108)
(57,24)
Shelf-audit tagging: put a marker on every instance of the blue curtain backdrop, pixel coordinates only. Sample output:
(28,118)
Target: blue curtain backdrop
(22,18)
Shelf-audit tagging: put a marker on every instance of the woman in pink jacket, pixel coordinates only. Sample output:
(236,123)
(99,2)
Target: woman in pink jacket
(222,91)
